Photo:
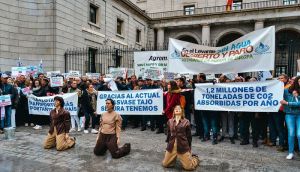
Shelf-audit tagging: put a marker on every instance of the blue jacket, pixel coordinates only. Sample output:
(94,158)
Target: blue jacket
(293,106)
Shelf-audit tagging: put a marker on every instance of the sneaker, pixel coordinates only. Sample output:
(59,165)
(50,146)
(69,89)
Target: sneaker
(290,156)
(26,124)
(37,127)
(94,131)
(85,131)
(79,129)
(72,130)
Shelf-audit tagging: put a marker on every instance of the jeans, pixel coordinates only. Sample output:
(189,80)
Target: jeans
(87,120)
(74,118)
(210,119)
(7,116)
(227,123)
(276,126)
(245,119)
(198,121)
(293,125)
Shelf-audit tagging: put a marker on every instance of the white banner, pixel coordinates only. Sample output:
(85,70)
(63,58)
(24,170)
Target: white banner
(5,100)
(134,102)
(18,71)
(53,73)
(93,75)
(252,52)
(151,64)
(57,81)
(73,74)
(32,70)
(43,105)
(239,96)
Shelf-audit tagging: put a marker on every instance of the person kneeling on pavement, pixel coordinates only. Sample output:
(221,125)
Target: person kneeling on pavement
(58,134)
(179,140)
(109,133)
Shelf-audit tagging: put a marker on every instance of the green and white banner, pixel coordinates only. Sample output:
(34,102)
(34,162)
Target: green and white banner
(252,52)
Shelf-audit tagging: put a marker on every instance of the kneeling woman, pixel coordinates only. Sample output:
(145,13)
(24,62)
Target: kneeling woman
(58,134)
(109,133)
(179,142)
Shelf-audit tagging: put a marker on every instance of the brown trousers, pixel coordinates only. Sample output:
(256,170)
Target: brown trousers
(61,141)
(188,161)
(109,141)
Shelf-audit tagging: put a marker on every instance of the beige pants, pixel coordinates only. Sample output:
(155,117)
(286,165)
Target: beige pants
(188,161)
(62,142)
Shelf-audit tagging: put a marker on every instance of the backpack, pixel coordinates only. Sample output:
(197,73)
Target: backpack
(182,101)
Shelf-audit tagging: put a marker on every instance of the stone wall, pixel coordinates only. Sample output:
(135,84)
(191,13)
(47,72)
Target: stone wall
(45,29)
(26,31)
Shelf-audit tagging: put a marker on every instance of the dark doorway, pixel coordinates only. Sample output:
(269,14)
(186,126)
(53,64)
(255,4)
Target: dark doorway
(287,52)
(227,38)
(188,39)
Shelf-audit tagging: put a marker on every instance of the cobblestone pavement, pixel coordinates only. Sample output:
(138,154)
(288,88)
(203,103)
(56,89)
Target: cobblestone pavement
(25,153)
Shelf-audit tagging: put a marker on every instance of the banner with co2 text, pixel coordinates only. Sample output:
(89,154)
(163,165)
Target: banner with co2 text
(239,96)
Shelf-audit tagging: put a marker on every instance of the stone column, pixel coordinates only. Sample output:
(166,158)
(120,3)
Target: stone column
(160,37)
(206,34)
(259,24)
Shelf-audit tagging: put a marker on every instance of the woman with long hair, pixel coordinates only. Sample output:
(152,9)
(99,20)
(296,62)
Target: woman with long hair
(291,104)
(172,98)
(179,140)
(88,103)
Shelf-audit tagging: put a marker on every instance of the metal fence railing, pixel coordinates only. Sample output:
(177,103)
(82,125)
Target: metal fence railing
(224,8)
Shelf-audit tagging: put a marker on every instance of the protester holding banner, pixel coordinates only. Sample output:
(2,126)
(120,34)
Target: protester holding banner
(276,121)
(246,119)
(198,114)
(181,83)
(227,118)
(292,109)
(23,110)
(7,89)
(109,133)
(75,118)
(146,118)
(88,102)
(179,140)
(58,135)
(38,91)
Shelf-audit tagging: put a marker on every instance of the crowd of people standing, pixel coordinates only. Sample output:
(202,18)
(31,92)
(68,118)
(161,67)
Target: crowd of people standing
(263,128)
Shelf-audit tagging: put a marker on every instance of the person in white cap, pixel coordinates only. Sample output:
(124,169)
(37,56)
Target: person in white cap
(7,89)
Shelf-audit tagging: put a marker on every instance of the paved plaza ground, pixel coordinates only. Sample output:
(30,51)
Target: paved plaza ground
(26,153)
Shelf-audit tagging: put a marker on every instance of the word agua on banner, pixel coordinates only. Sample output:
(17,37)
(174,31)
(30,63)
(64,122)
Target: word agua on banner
(252,52)
(43,105)
(248,97)
(134,102)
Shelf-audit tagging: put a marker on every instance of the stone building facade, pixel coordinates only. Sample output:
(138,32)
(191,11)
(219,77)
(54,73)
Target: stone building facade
(215,23)
(45,29)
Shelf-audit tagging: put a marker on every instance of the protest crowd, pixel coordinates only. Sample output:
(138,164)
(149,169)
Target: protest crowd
(170,92)
(215,126)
